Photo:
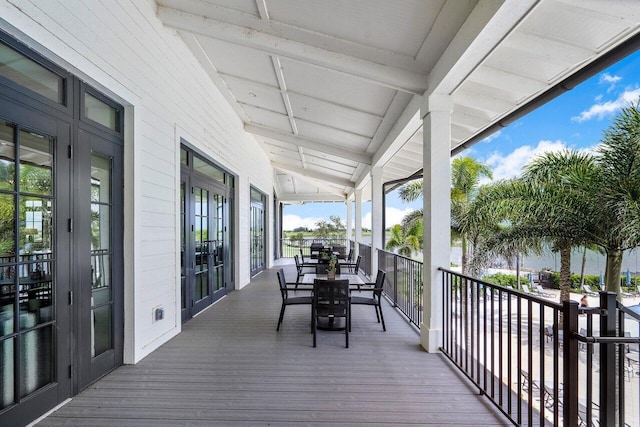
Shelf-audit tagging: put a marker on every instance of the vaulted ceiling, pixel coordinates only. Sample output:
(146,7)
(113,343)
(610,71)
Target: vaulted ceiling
(333,88)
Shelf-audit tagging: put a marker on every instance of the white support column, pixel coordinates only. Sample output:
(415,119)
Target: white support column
(436,116)
(377,227)
(349,204)
(358,221)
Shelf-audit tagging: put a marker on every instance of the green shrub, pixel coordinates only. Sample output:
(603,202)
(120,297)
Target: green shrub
(592,280)
(502,279)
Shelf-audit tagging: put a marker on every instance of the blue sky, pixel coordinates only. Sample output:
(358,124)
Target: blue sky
(574,120)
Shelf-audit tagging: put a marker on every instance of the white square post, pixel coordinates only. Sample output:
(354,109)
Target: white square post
(436,116)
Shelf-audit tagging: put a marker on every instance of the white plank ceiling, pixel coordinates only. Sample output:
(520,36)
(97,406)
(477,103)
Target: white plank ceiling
(333,88)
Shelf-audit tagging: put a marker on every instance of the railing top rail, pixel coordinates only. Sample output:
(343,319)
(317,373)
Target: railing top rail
(400,256)
(628,312)
(508,291)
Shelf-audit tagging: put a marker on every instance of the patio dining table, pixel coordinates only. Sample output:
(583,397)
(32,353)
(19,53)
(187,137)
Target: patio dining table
(355,281)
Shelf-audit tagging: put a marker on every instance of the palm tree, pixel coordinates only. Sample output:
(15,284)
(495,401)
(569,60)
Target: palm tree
(618,192)
(560,209)
(405,241)
(466,173)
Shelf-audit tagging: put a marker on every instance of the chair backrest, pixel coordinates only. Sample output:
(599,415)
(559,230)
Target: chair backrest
(525,288)
(297,260)
(379,283)
(331,297)
(350,256)
(357,269)
(301,255)
(321,268)
(283,284)
(540,288)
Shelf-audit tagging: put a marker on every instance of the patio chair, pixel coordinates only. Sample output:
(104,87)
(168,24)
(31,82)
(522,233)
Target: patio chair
(542,293)
(299,268)
(330,302)
(526,289)
(548,332)
(286,299)
(355,268)
(587,289)
(375,299)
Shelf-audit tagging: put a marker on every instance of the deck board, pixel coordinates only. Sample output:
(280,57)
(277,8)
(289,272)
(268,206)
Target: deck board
(230,366)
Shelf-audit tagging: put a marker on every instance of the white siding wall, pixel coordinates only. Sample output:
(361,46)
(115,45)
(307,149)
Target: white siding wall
(122,48)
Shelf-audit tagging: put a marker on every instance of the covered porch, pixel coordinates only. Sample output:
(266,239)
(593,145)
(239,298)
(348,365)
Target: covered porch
(229,365)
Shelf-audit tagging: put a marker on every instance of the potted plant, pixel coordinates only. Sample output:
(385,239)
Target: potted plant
(331,268)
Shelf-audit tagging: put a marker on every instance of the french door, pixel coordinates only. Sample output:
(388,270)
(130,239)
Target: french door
(98,256)
(61,225)
(205,252)
(34,270)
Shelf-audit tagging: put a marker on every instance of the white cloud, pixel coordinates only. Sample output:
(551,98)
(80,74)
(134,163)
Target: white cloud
(510,165)
(492,136)
(604,109)
(393,216)
(608,78)
(290,222)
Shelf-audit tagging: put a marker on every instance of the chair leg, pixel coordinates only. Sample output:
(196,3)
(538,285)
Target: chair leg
(313,326)
(346,329)
(384,328)
(377,315)
(281,317)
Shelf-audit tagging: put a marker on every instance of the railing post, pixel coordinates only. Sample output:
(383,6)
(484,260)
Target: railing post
(608,360)
(395,281)
(570,361)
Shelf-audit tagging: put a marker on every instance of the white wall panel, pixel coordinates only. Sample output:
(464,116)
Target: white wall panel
(124,50)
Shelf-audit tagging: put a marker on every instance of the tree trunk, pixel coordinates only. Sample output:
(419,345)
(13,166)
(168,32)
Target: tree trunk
(518,270)
(565,273)
(584,262)
(613,271)
(463,244)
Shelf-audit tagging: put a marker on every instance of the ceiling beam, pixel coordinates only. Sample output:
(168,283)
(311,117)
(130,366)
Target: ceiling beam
(309,143)
(264,42)
(313,198)
(319,176)
(487,26)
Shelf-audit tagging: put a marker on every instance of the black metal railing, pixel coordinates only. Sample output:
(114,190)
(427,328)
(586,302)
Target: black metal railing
(403,284)
(365,264)
(291,247)
(541,362)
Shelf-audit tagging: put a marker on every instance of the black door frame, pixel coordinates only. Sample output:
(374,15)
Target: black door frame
(191,179)
(65,121)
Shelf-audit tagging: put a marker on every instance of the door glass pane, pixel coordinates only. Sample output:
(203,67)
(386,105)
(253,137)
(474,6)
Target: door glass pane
(36,161)
(201,231)
(101,255)
(36,357)
(207,169)
(7,157)
(7,381)
(36,232)
(7,300)
(7,229)
(28,73)
(101,112)
(218,242)
(36,294)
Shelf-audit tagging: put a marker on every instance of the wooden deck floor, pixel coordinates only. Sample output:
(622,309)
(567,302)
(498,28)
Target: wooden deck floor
(229,366)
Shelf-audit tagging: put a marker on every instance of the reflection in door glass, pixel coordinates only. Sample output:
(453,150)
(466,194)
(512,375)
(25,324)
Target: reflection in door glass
(26,263)
(101,255)
(201,238)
